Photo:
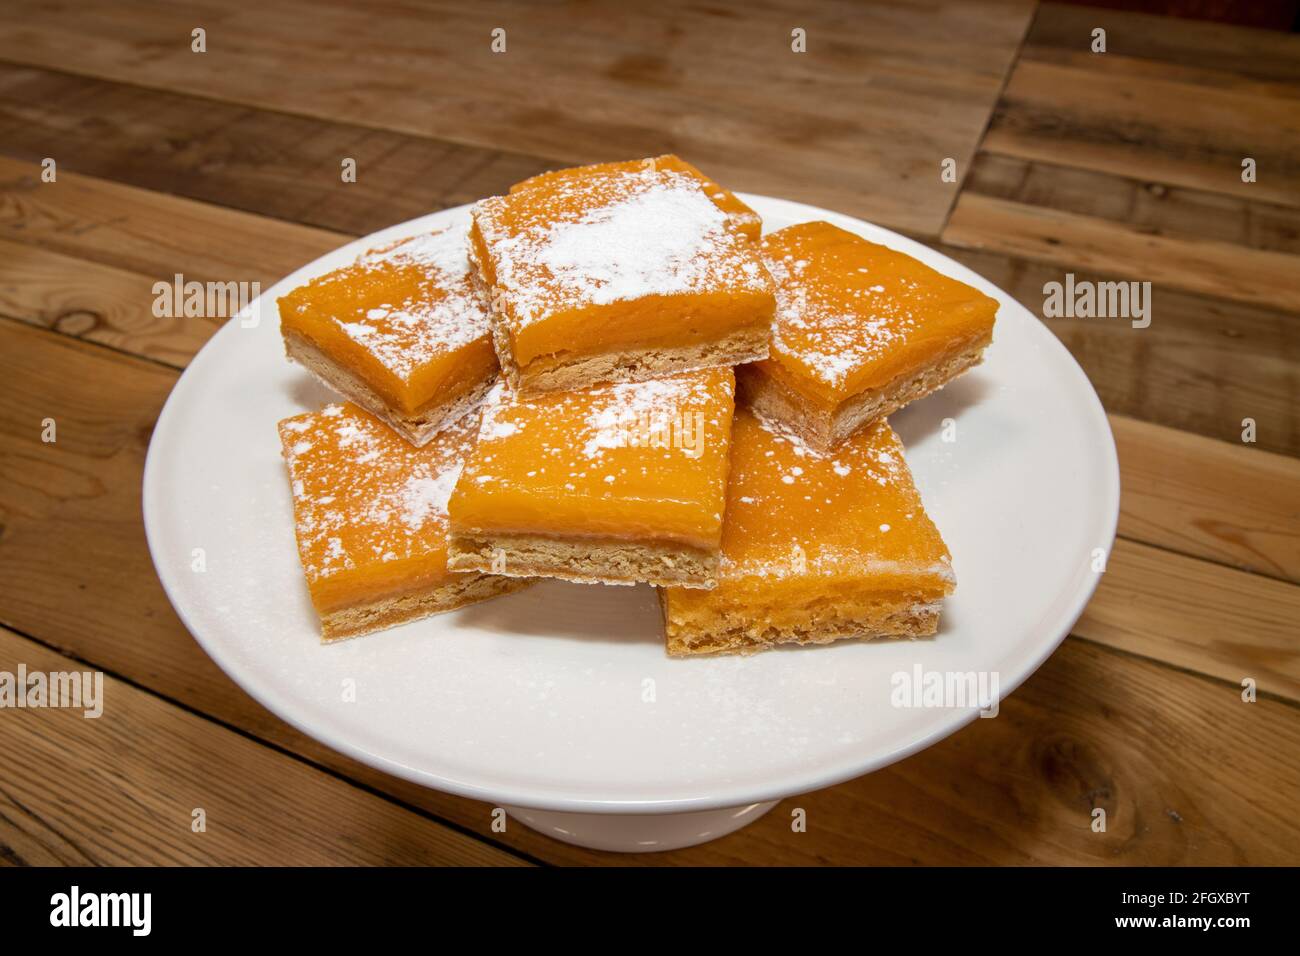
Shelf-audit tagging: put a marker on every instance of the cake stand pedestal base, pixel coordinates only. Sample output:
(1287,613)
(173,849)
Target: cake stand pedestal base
(636,832)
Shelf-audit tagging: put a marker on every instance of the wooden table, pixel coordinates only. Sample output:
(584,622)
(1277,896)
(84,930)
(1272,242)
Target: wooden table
(226,165)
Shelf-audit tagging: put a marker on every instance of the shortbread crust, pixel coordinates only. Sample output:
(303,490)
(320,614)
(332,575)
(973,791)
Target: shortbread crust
(459,591)
(824,428)
(417,428)
(586,561)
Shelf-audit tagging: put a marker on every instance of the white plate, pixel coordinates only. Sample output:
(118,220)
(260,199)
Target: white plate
(538,699)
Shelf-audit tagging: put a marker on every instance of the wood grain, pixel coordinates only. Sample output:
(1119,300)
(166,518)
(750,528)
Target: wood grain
(1233,505)
(149,233)
(1203,365)
(272,163)
(1223,344)
(81,255)
(1128,111)
(74,572)
(94,302)
(1207,266)
(1200,616)
(85,792)
(1145,207)
(1137,43)
(717,83)
(1127,166)
(1176,762)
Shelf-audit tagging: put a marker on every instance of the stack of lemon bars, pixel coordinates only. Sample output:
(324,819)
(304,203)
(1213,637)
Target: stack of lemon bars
(609,375)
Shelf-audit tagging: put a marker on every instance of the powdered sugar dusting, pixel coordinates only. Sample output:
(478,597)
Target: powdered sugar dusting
(844,305)
(495,424)
(814,325)
(605,460)
(364,495)
(624,406)
(611,237)
(669,227)
(424,496)
(407,303)
(793,511)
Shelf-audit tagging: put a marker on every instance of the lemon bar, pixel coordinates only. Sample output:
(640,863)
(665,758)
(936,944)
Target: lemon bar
(371,520)
(402,332)
(815,548)
(618,273)
(861,330)
(615,484)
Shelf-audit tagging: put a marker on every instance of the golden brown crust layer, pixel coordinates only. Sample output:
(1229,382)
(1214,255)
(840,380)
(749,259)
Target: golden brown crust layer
(730,633)
(639,365)
(586,561)
(823,429)
(447,596)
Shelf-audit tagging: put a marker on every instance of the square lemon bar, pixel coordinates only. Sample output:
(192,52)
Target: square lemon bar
(402,332)
(618,273)
(860,331)
(815,548)
(615,484)
(370,512)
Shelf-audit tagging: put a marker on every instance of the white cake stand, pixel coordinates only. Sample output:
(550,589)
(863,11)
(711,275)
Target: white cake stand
(558,702)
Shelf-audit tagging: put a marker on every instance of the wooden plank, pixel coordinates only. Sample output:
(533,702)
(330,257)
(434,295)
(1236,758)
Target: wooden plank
(718,84)
(1144,207)
(1180,765)
(1106,114)
(94,302)
(82,791)
(1203,365)
(1206,266)
(271,163)
(148,233)
(1223,344)
(81,256)
(1232,505)
(75,572)
(1200,616)
(1214,51)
